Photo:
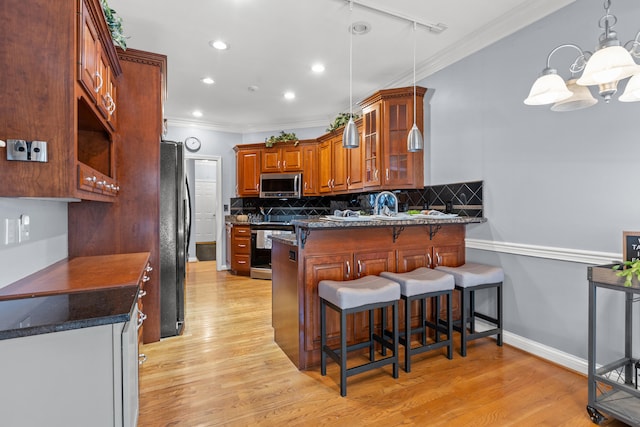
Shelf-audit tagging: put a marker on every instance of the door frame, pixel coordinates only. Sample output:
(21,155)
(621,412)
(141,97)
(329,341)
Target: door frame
(219,216)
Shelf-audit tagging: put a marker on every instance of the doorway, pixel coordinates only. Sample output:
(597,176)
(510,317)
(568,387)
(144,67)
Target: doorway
(205,172)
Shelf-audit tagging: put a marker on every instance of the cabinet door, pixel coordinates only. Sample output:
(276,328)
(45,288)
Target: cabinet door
(371,146)
(103,72)
(365,264)
(410,259)
(354,167)
(248,173)
(398,162)
(317,268)
(339,179)
(271,160)
(310,170)
(451,256)
(291,159)
(325,173)
(88,54)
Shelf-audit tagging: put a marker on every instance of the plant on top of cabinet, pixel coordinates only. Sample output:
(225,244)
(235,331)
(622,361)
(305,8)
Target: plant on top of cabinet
(114,22)
(341,120)
(283,137)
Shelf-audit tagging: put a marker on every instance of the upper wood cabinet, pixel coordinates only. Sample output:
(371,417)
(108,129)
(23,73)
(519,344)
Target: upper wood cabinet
(282,159)
(310,170)
(388,118)
(65,47)
(248,171)
(332,159)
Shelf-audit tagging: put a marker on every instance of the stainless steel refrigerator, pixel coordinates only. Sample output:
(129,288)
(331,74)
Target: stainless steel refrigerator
(174,235)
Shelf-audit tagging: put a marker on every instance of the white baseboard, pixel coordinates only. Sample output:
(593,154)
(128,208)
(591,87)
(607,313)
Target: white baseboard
(551,354)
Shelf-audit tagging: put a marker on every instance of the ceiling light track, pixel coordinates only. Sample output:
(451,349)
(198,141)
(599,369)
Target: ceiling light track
(431,27)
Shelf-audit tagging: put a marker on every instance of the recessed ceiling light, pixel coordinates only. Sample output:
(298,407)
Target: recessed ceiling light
(289,95)
(219,44)
(317,68)
(359,28)
(207,80)
(253,88)
(197,113)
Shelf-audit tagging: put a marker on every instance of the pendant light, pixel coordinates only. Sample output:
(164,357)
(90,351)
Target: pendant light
(350,136)
(414,139)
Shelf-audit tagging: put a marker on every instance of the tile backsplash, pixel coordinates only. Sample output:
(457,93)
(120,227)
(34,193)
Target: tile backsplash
(463,198)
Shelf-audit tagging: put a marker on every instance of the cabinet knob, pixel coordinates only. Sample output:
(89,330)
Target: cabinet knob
(387,174)
(348,270)
(429,260)
(359,268)
(148,268)
(141,293)
(146,278)
(141,318)
(142,358)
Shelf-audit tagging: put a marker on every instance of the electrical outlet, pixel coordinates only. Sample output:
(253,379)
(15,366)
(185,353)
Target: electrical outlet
(25,228)
(25,323)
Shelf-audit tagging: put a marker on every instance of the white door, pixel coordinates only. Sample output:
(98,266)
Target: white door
(205,211)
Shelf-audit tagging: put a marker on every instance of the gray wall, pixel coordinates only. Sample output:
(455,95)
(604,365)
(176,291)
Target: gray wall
(47,242)
(552,181)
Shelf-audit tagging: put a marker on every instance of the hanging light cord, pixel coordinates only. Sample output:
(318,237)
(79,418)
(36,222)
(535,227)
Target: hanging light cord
(414,72)
(350,60)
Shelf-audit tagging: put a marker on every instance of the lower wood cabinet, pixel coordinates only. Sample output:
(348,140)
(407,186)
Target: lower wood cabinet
(240,249)
(319,261)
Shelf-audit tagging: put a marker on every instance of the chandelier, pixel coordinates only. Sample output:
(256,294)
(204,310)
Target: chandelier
(610,64)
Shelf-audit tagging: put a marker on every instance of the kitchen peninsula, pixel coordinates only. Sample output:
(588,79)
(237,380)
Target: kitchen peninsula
(345,250)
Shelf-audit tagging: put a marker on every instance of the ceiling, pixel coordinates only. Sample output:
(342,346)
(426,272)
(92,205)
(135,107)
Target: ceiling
(274,43)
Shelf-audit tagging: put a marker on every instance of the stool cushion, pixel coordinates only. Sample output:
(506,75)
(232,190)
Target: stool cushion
(358,292)
(421,281)
(472,274)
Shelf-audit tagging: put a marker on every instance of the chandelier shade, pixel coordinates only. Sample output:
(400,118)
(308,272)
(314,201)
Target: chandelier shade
(608,65)
(632,91)
(580,99)
(548,89)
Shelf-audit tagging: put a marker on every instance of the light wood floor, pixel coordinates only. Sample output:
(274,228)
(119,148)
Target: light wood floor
(226,370)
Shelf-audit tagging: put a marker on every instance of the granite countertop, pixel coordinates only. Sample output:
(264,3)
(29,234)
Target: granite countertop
(289,239)
(319,223)
(72,294)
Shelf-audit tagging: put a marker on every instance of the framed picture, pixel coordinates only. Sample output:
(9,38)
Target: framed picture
(630,245)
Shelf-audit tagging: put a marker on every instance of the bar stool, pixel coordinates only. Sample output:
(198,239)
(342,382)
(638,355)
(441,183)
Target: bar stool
(352,296)
(471,277)
(424,284)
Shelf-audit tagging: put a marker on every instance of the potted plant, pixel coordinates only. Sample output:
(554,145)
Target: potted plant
(114,22)
(283,137)
(341,120)
(628,269)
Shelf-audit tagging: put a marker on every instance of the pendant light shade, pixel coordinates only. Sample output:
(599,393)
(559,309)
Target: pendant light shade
(608,65)
(350,135)
(632,91)
(580,99)
(549,88)
(414,139)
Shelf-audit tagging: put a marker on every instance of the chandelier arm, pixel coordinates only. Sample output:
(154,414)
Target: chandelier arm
(579,63)
(634,50)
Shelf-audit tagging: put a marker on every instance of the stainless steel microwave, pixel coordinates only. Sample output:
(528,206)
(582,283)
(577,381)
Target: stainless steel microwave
(280,185)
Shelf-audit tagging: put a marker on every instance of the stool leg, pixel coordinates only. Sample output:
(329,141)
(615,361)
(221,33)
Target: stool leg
(323,337)
(437,319)
(343,353)
(472,311)
(372,347)
(449,325)
(407,333)
(383,321)
(464,319)
(423,319)
(499,296)
(395,339)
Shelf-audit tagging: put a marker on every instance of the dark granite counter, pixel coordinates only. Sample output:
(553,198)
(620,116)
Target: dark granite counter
(319,223)
(72,294)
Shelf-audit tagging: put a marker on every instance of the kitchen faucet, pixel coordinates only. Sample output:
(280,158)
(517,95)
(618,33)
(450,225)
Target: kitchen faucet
(376,206)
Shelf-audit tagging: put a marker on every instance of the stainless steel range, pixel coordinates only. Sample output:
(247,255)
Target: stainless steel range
(261,233)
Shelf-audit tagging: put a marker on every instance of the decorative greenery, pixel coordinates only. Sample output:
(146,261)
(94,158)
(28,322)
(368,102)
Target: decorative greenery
(114,22)
(283,137)
(629,269)
(341,120)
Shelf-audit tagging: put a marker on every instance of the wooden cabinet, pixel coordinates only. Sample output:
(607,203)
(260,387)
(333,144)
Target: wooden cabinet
(240,249)
(310,170)
(248,172)
(339,254)
(387,119)
(332,159)
(132,222)
(63,50)
(282,159)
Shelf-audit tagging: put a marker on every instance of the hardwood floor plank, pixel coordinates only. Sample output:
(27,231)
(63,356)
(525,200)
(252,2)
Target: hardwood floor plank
(226,370)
